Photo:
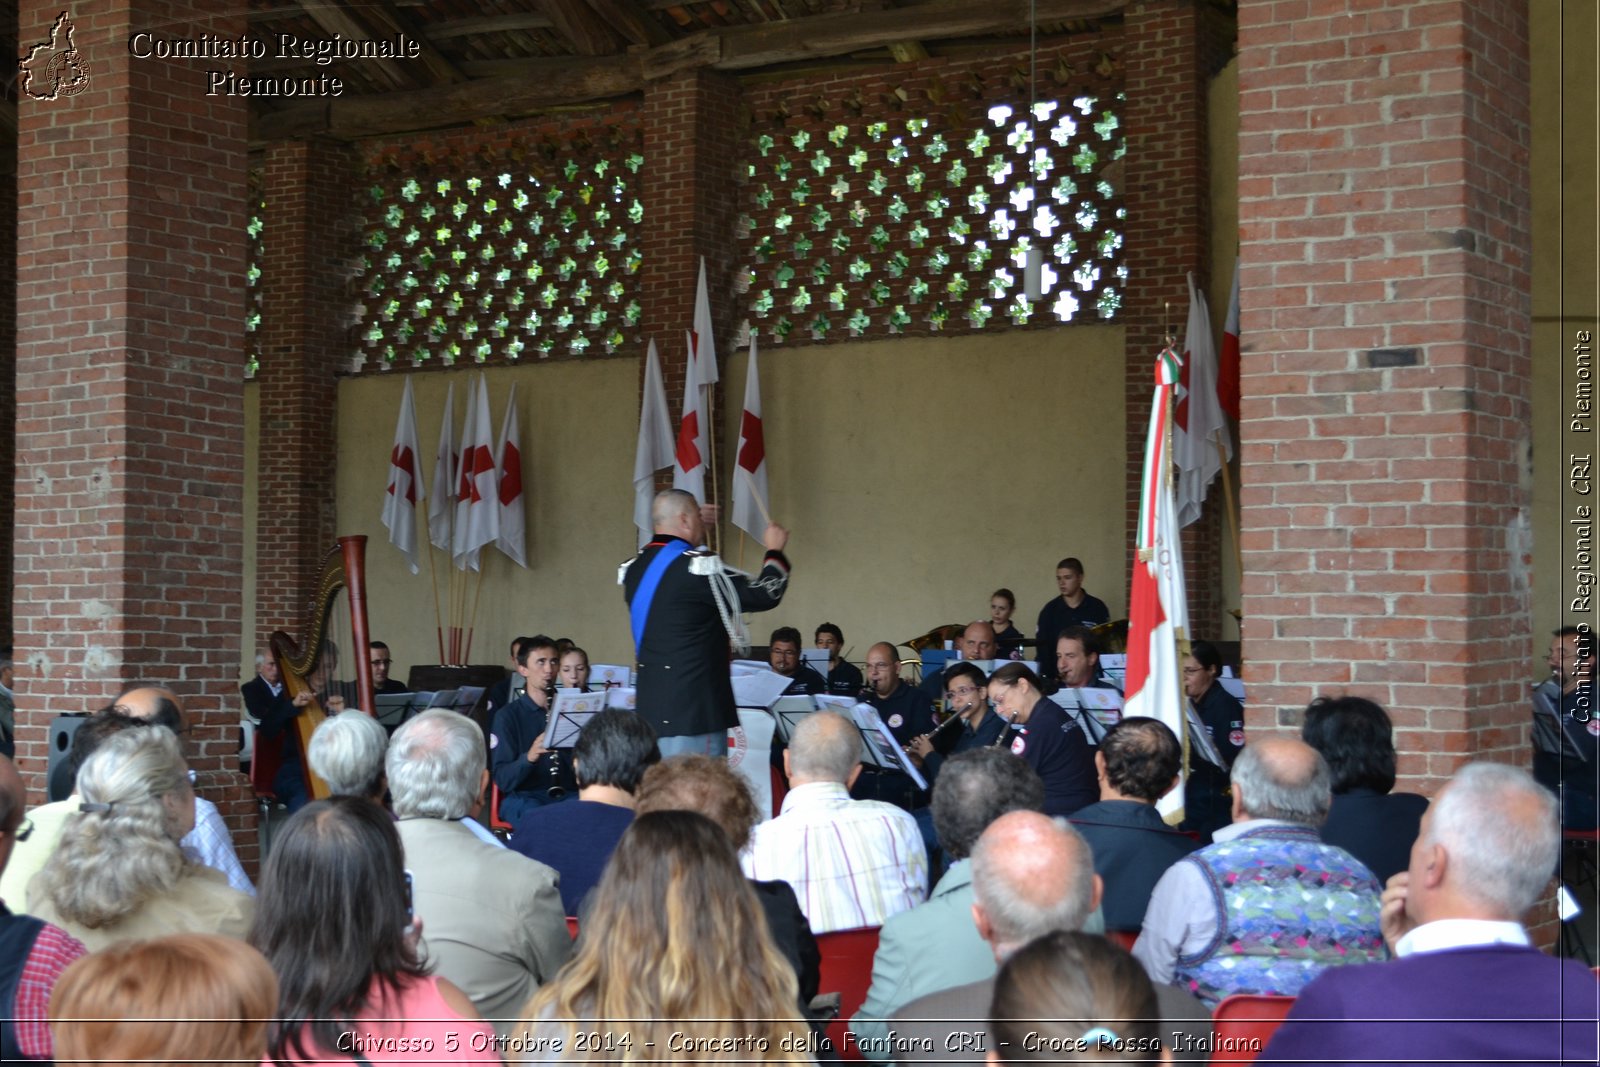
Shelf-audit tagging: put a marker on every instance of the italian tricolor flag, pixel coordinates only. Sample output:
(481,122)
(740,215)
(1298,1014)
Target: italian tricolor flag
(1158,612)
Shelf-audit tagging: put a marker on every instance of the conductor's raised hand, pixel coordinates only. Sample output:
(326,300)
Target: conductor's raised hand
(775,537)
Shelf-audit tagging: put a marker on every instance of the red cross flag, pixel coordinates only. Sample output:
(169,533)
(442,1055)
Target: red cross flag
(750,495)
(512,538)
(405,482)
(477,495)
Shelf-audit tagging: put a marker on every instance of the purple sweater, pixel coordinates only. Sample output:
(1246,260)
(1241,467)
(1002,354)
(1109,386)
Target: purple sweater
(1495,1003)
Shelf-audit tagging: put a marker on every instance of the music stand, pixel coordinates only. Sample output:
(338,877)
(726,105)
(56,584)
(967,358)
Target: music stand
(570,712)
(880,748)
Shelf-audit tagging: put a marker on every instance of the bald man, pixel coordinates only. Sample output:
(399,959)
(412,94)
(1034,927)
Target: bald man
(908,713)
(975,643)
(851,862)
(209,841)
(1293,906)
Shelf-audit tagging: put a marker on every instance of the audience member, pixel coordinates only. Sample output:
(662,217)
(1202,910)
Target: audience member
(612,751)
(1041,733)
(492,920)
(1463,960)
(334,925)
(935,945)
(29,856)
(1072,996)
(1073,607)
(379,656)
(1566,741)
(347,752)
(33,953)
(1031,876)
(1207,806)
(683,961)
(185,1000)
(1368,821)
(1138,762)
(118,871)
(975,644)
(907,712)
(1294,906)
(528,774)
(783,656)
(844,677)
(1008,640)
(869,863)
(713,789)
(574,669)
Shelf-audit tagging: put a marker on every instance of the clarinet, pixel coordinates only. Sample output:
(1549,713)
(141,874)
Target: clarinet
(556,790)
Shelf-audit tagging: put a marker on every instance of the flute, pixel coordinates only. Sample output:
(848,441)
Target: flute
(1004,730)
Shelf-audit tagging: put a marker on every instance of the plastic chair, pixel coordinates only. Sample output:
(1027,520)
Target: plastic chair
(496,823)
(847,970)
(1248,1021)
(1125,938)
(780,789)
(572,927)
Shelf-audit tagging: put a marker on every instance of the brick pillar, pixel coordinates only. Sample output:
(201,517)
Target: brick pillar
(8,345)
(1168,197)
(691,148)
(1383,181)
(305,342)
(129,403)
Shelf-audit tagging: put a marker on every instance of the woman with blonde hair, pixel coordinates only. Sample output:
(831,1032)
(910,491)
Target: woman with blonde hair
(682,967)
(188,999)
(117,872)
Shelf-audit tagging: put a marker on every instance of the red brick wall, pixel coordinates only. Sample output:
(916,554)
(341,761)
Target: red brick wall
(1385,231)
(1172,48)
(8,348)
(691,147)
(130,425)
(305,343)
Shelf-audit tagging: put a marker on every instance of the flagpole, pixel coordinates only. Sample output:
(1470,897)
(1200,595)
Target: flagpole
(711,460)
(438,620)
(466,655)
(1231,514)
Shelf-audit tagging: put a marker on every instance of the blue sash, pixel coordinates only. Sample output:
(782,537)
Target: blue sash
(639,609)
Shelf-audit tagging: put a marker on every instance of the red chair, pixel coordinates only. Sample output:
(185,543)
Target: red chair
(496,823)
(847,970)
(1244,1023)
(572,927)
(780,789)
(1125,938)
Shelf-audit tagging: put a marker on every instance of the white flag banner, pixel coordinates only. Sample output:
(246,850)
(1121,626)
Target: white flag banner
(1198,423)
(477,496)
(654,449)
(512,538)
(441,505)
(405,482)
(705,346)
(691,452)
(750,497)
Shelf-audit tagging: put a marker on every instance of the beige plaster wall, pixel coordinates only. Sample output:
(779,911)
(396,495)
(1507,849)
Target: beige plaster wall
(1222,104)
(916,474)
(1566,195)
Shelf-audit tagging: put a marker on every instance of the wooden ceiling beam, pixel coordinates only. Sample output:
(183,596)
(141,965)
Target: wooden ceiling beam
(640,29)
(334,16)
(586,31)
(488,24)
(384,16)
(526,86)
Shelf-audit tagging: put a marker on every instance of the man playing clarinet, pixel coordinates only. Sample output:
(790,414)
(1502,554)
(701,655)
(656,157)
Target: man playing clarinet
(684,606)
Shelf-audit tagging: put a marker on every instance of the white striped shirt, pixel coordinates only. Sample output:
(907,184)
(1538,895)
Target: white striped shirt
(852,863)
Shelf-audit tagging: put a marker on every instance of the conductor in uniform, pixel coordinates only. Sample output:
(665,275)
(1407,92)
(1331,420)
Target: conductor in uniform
(684,607)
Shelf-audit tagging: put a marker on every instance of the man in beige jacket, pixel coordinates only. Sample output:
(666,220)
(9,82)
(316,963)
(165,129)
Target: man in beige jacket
(491,918)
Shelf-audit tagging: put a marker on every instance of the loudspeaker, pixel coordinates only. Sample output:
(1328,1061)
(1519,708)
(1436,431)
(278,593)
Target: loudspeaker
(58,772)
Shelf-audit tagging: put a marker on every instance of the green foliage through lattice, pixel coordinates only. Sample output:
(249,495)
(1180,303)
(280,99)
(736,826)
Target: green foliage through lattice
(499,260)
(918,222)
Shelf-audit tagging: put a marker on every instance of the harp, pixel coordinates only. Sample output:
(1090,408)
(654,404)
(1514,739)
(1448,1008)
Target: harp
(309,662)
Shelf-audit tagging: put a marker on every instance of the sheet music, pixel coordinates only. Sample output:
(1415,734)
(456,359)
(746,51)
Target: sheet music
(1094,710)
(570,711)
(466,698)
(609,674)
(882,746)
(759,689)
(621,697)
(816,659)
(1232,686)
(1200,739)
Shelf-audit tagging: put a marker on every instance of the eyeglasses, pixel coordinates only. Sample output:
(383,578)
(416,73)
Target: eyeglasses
(965,690)
(1194,670)
(24,828)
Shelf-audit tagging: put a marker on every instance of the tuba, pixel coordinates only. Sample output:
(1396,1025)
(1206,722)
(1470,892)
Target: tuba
(308,662)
